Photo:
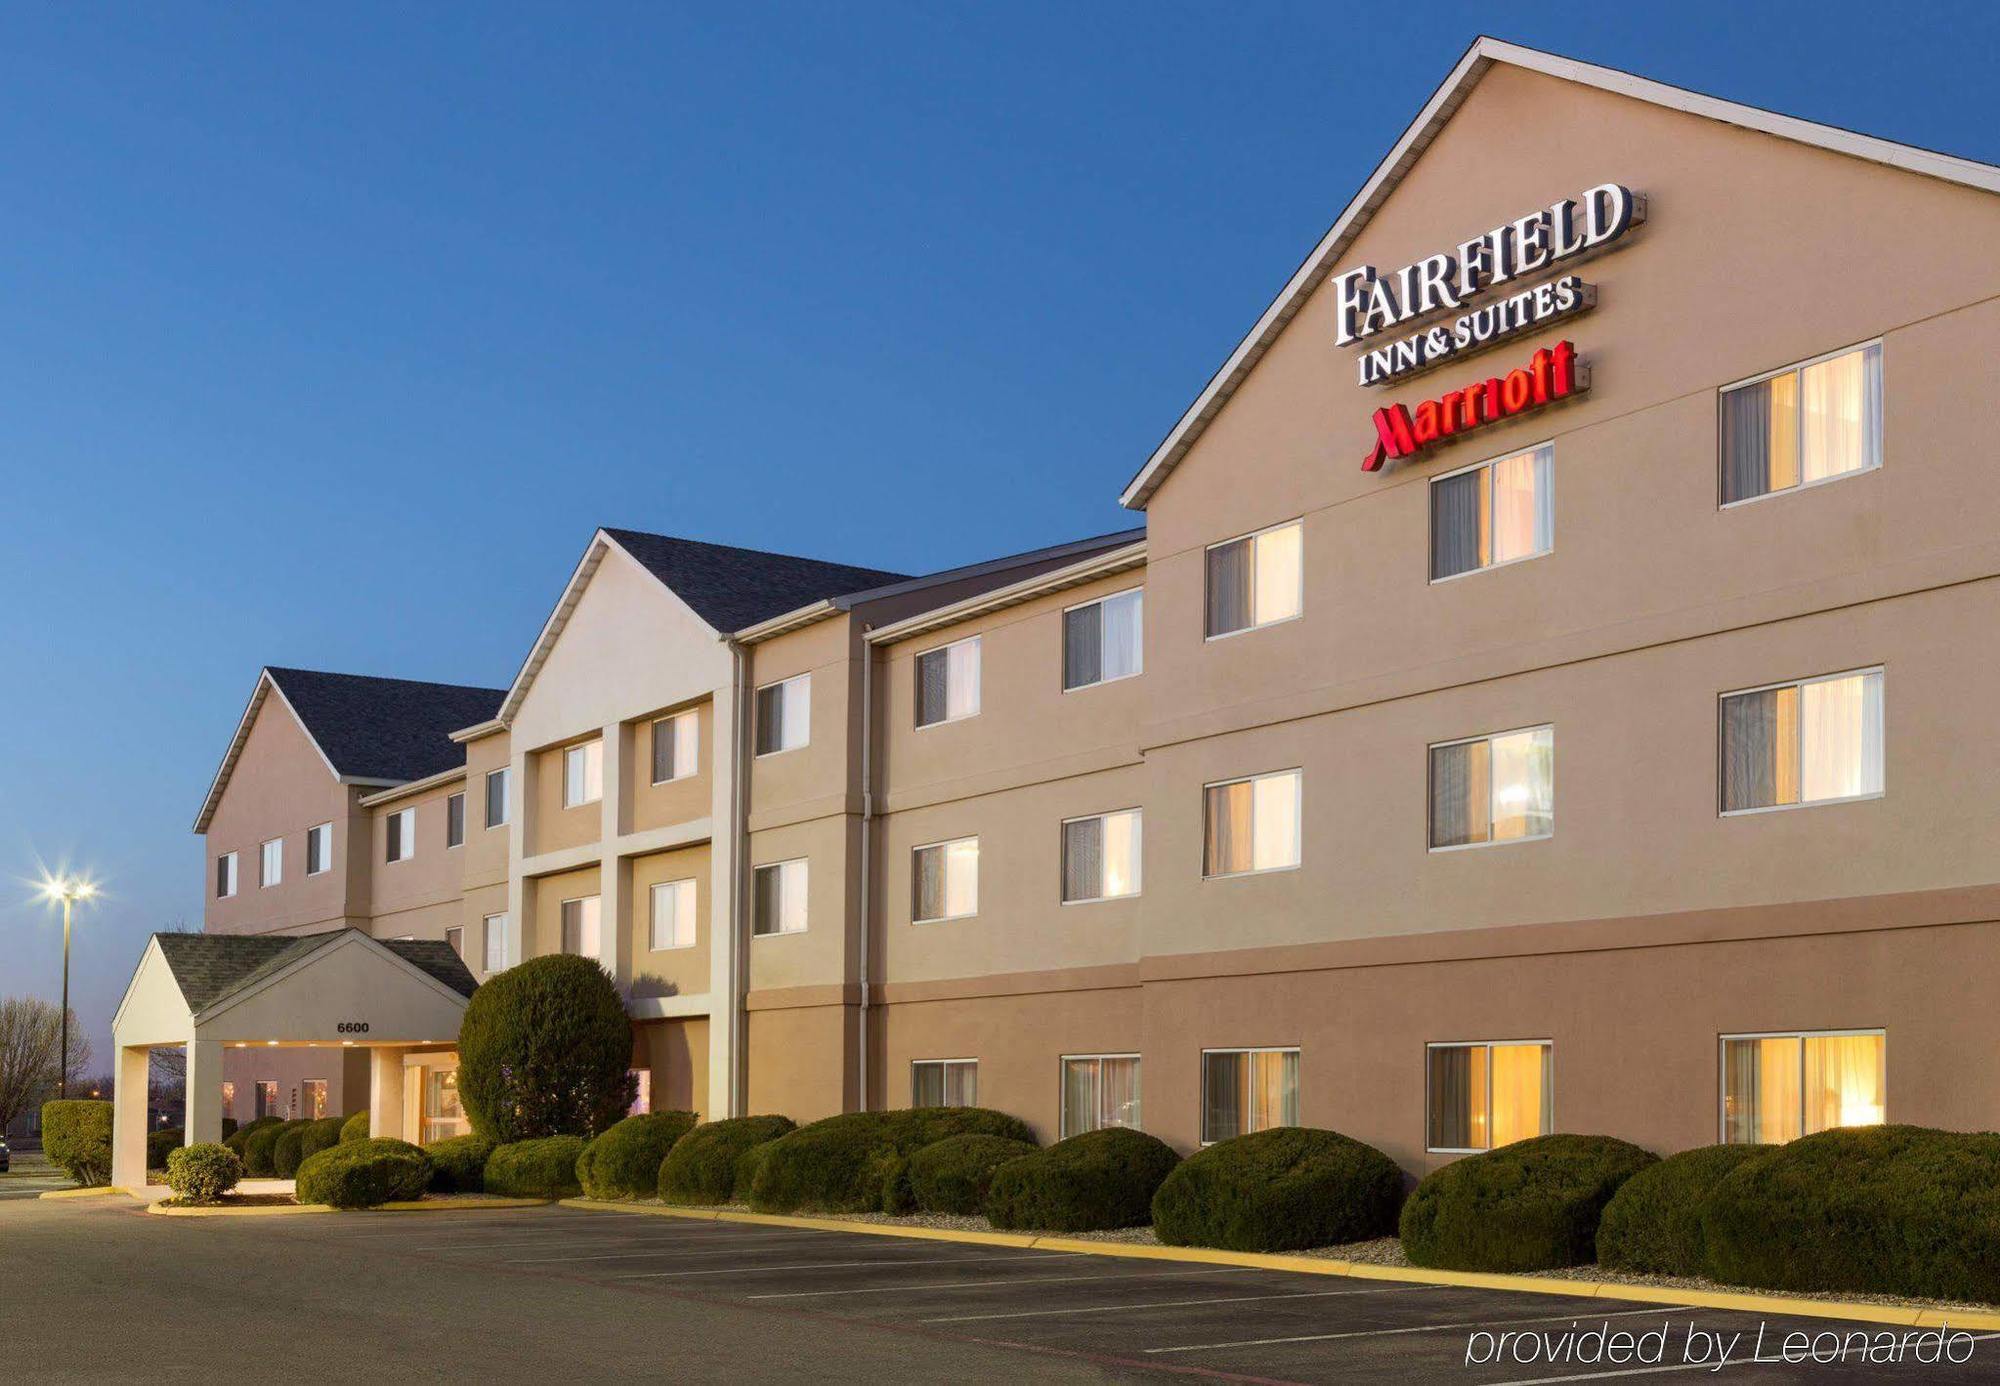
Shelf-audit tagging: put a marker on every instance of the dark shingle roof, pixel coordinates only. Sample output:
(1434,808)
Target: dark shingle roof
(209,967)
(732,588)
(385,729)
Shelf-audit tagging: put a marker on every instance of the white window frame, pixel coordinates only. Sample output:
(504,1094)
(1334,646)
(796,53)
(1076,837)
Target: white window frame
(235,877)
(653,913)
(805,911)
(917,682)
(1721,750)
(1298,520)
(582,753)
(945,1064)
(1062,670)
(493,929)
(1298,821)
(1062,1080)
(1430,807)
(1801,367)
(1138,869)
(784,724)
(1722,1070)
(672,722)
(506,777)
(399,830)
(1430,556)
(1549,1067)
(324,833)
(941,844)
(459,797)
(1201,1086)
(562,931)
(266,875)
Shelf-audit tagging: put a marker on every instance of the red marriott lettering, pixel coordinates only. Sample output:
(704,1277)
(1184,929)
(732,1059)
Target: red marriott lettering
(1550,375)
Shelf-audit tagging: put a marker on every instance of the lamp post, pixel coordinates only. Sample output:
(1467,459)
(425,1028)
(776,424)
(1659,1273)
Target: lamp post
(69,891)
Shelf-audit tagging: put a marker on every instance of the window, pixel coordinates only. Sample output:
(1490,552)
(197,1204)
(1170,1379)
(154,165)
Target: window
(1099,1090)
(1497,512)
(319,849)
(442,1117)
(676,740)
(312,1099)
(229,1101)
(1478,1096)
(1499,788)
(1256,581)
(944,1083)
(1814,742)
(225,875)
(497,782)
(1252,824)
(1776,1088)
(271,863)
(784,715)
(401,831)
(583,774)
(454,820)
(1803,425)
(944,881)
(948,683)
(1100,857)
(1245,1090)
(267,1098)
(494,927)
(1104,640)
(672,905)
(580,927)
(454,939)
(779,898)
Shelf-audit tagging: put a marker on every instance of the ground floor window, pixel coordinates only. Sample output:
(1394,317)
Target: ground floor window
(1099,1090)
(312,1097)
(1479,1096)
(229,1101)
(1776,1088)
(1245,1090)
(642,1100)
(944,1083)
(442,1116)
(267,1098)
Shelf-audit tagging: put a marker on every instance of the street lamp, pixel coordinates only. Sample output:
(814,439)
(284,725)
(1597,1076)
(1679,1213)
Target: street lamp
(69,891)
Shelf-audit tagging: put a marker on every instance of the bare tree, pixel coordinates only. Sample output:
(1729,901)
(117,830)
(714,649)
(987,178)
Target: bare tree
(30,1050)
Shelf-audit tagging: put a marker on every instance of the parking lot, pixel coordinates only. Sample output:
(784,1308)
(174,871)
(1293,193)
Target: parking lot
(593,1296)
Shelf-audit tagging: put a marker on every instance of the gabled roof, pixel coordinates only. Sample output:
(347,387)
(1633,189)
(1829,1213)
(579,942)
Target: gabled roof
(369,731)
(209,968)
(1443,104)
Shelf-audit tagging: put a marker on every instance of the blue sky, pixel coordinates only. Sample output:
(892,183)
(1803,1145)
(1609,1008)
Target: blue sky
(294,301)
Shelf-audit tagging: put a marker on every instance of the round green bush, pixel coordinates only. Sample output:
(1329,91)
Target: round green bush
(1533,1205)
(228,1127)
(354,1128)
(321,1134)
(858,1162)
(238,1139)
(260,1150)
(704,1166)
(1652,1225)
(289,1149)
(954,1174)
(458,1165)
(749,1165)
(1894,1210)
(364,1174)
(625,1161)
(1088,1183)
(203,1173)
(1280,1190)
(545,1049)
(540,1168)
(162,1143)
(76,1138)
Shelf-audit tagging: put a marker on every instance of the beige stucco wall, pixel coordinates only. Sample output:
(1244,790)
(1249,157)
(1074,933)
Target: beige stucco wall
(549,893)
(676,1051)
(421,895)
(675,971)
(485,848)
(678,800)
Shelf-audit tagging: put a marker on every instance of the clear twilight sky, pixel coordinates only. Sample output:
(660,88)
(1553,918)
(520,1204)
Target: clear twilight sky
(329,333)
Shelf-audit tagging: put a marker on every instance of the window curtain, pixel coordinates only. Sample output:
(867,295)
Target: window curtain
(1760,749)
(1228,845)
(1455,507)
(962,678)
(1523,505)
(961,1085)
(1080,1096)
(770,719)
(1274,821)
(1223,1079)
(1845,1081)
(1123,643)
(1275,589)
(1121,847)
(1746,442)
(1274,1090)
(1118,1089)
(1461,794)
(765,887)
(1523,784)
(1841,413)
(1083,859)
(1521,1092)
(961,877)
(1229,587)
(927,886)
(927,1085)
(1083,647)
(932,677)
(1760,1092)
(1841,738)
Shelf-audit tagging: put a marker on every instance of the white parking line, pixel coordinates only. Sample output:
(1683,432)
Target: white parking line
(1418,1328)
(1687,1367)
(668,1250)
(836,1265)
(1017,1280)
(1178,1303)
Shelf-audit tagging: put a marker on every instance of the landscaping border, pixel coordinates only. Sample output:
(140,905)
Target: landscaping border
(1746,1301)
(469,1204)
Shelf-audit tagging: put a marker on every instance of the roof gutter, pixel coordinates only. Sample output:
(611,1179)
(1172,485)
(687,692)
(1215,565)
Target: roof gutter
(398,790)
(1118,560)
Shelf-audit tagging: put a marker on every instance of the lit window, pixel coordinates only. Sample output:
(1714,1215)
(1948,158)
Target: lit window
(784,715)
(312,1099)
(454,820)
(583,774)
(1101,857)
(271,862)
(229,1101)
(1497,512)
(495,929)
(1817,741)
(944,880)
(442,1116)
(400,830)
(225,875)
(779,903)
(1498,788)
(1251,824)
(1479,1096)
(1099,1090)
(1803,425)
(672,918)
(944,1083)
(1257,580)
(1776,1088)
(1245,1090)
(1104,640)
(580,933)
(675,743)
(948,683)
(319,849)
(496,797)
(267,1098)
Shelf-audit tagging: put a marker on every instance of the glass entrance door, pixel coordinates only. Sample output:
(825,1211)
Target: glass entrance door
(443,1117)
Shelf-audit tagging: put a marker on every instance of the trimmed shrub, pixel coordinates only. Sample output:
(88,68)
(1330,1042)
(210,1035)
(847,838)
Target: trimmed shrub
(858,1162)
(1893,1210)
(365,1174)
(706,1165)
(76,1137)
(1653,1223)
(162,1143)
(322,1134)
(954,1174)
(228,1127)
(1533,1205)
(289,1149)
(204,1172)
(354,1128)
(240,1137)
(260,1150)
(458,1165)
(749,1165)
(545,1049)
(625,1161)
(541,1168)
(1280,1190)
(1088,1183)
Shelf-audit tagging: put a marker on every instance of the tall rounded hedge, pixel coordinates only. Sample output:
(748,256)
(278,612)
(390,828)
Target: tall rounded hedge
(1533,1205)
(289,1149)
(545,1049)
(1896,1210)
(953,1175)
(260,1149)
(858,1162)
(702,1167)
(76,1137)
(354,1128)
(1280,1190)
(749,1165)
(239,1139)
(203,1173)
(1652,1225)
(364,1174)
(625,1161)
(541,1168)
(1088,1183)
(458,1165)
(320,1134)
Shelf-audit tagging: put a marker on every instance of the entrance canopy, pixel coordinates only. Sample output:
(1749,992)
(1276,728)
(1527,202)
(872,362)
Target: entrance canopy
(339,989)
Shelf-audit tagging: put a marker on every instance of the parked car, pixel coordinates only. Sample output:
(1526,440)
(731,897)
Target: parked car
(6,1156)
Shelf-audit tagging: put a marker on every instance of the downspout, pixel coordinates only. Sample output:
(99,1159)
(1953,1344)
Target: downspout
(739,830)
(867,856)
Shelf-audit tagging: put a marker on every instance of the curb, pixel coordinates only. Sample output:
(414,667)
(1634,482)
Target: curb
(1745,1302)
(95,1191)
(443,1205)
